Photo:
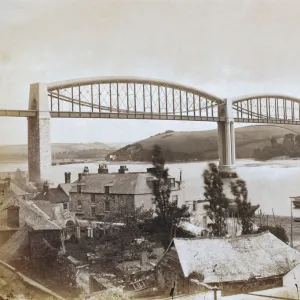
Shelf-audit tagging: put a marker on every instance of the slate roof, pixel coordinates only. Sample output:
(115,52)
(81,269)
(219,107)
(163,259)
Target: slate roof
(128,183)
(235,259)
(35,217)
(55,195)
(16,190)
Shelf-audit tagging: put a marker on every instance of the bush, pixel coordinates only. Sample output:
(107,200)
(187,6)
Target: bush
(278,231)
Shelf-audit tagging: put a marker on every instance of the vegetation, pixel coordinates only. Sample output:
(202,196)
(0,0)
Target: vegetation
(290,147)
(240,193)
(201,145)
(218,203)
(277,230)
(168,214)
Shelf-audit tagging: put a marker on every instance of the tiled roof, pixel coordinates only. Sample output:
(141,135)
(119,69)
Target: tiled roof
(234,259)
(128,183)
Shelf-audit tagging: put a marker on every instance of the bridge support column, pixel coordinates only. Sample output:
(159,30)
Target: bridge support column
(226,140)
(39,142)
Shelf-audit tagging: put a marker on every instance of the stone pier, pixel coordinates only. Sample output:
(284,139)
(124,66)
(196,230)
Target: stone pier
(39,141)
(226,140)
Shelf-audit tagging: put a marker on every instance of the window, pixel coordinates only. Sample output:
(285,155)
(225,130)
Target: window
(107,206)
(175,199)
(204,221)
(93,198)
(153,200)
(194,205)
(79,205)
(65,205)
(172,182)
(93,211)
(106,189)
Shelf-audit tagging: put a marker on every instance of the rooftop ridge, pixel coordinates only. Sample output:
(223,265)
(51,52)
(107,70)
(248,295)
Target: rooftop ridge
(224,237)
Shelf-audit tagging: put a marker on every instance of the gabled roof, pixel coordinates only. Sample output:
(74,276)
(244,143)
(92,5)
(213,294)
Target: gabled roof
(128,183)
(54,195)
(65,187)
(34,217)
(236,259)
(16,190)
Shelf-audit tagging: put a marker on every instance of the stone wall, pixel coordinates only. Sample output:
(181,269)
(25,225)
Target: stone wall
(39,147)
(39,142)
(118,204)
(243,287)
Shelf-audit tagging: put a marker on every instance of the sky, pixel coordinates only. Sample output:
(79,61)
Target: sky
(226,48)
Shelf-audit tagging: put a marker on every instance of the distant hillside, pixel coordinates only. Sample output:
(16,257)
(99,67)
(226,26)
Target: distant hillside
(202,145)
(63,150)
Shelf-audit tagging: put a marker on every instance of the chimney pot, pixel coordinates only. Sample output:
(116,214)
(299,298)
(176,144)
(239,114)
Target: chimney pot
(123,169)
(66,177)
(46,187)
(69,177)
(79,176)
(102,169)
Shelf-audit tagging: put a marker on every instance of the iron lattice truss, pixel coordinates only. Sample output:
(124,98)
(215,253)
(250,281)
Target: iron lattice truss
(267,109)
(128,98)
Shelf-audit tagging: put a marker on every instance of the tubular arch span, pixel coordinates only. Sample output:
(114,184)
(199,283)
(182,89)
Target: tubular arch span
(131,97)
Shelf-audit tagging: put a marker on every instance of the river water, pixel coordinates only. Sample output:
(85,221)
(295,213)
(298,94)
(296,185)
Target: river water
(270,184)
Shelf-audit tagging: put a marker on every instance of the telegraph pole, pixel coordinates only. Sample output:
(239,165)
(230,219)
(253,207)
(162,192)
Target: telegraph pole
(291,223)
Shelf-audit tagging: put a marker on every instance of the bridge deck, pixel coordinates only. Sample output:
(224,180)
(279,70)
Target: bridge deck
(140,116)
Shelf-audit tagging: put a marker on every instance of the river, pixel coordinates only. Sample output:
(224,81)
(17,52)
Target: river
(270,184)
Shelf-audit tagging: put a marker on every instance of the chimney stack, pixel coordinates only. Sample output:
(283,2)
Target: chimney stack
(102,169)
(7,182)
(79,176)
(67,177)
(123,169)
(13,216)
(46,187)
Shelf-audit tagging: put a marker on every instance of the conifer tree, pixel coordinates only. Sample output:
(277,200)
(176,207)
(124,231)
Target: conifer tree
(240,193)
(169,215)
(218,203)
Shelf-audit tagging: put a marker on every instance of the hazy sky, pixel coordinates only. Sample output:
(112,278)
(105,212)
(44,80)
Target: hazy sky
(228,48)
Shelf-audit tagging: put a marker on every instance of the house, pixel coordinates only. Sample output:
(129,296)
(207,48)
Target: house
(31,230)
(103,194)
(55,202)
(241,264)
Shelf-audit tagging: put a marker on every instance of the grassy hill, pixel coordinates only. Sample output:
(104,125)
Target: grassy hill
(63,150)
(203,145)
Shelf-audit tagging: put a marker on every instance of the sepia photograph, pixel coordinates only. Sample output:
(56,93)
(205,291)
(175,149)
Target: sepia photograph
(150,149)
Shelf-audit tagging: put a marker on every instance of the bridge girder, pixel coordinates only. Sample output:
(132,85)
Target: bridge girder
(267,108)
(130,97)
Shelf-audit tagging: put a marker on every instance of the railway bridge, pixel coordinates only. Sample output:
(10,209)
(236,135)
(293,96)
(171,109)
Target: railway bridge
(143,98)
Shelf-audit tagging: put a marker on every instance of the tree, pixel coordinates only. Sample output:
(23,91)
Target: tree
(240,193)
(218,203)
(169,215)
